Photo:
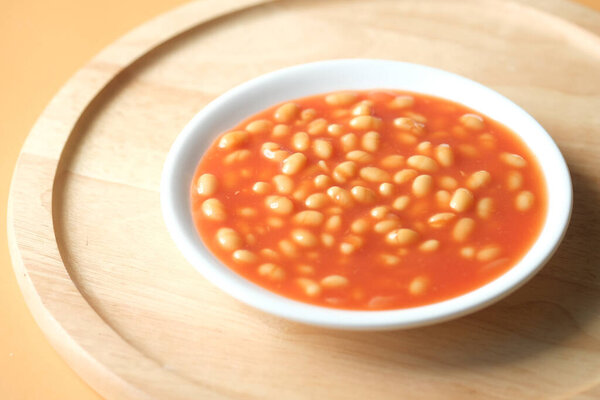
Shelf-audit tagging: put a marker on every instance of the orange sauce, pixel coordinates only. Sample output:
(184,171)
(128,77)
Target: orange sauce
(373,271)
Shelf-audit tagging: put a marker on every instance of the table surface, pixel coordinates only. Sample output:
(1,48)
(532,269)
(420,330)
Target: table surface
(43,44)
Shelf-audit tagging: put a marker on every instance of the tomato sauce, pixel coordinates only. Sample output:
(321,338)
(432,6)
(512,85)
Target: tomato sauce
(383,199)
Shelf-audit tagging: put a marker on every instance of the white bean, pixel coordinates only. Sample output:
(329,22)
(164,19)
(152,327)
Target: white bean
(322,148)
(386,189)
(463,229)
(316,200)
(386,225)
(288,248)
(261,187)
(259,126)
(389,259)
(327,239)
(472,121)
(405,175)
(247,212)
(370,141)
(360,225)
(392,161)
(380,212)
(322,181)
(279,204)
(524,200)
(401,202)
(514,180)
(444,155)
(333,223)
(350,244)
(408,124)
(334,282)
(310,287)
(442,198)
(363,194)
(273,151)
(301,141)
(287,112)
(418,285)
(478,180)
(422,185)
(237,156)
(317,127)
(402,236)
(229,239)
(340,196)
(214,209)
(422,163)
(365,107)
(304,237)
(485,208)
(402,101)
(488,253)
(283,184)
(309,218)
(349,142)
(293,164)
(207,185)
(233,139)
(280,130)
(359,156)
(344,171)
(513,160)
(271,271)
(335,129)
(462,200)
(340,98)
(429,245)
(467,252)
(374,174)
(308,114)
(275,222)
(440,219)
(425,148)
(365,122)
(244,256)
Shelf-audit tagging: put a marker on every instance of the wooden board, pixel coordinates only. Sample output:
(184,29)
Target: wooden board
(119,302)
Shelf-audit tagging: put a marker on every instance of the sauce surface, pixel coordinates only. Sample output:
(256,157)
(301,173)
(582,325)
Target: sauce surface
(369,199)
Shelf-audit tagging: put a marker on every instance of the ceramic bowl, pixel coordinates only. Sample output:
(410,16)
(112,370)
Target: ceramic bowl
(249,98)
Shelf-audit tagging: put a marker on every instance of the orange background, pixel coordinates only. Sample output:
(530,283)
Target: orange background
(42,43)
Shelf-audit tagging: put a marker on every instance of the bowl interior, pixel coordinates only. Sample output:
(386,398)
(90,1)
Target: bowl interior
(309,79)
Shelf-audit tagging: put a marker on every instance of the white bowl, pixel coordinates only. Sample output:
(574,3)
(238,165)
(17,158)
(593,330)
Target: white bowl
(253,96)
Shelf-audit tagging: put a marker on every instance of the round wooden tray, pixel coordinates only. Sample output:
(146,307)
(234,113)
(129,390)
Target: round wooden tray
(119,302)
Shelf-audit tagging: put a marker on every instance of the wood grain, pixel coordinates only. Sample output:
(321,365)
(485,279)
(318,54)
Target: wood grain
(136,321)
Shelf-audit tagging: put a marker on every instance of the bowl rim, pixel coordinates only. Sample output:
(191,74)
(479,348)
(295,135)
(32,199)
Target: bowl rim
(176,209)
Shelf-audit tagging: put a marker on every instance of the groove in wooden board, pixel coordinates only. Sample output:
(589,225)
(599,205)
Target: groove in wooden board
(47,139)
(138,284)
